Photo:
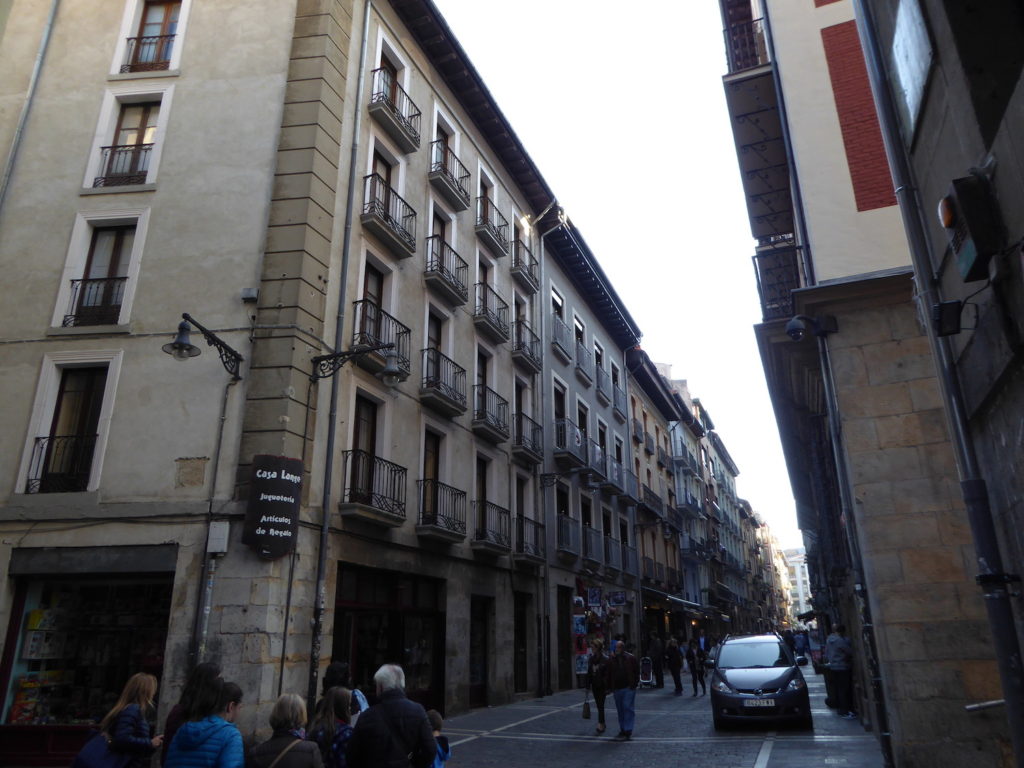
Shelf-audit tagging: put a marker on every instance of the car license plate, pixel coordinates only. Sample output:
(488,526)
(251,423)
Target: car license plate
(759,702)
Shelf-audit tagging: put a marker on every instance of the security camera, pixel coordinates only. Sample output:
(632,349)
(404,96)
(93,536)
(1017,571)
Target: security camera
(796,328)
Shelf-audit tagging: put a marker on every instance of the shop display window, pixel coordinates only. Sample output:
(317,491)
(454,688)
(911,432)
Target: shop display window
(78,643)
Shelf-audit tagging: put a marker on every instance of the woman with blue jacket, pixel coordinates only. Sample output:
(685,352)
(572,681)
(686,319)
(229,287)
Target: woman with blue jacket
(212,741)
(126,722)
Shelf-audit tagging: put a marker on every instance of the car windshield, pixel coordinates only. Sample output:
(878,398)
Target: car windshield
(767,654)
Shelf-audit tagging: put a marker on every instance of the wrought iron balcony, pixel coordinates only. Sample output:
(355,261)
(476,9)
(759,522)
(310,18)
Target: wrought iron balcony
(664,460)
(568,537)
(446,272)
(374,489)
(148,54)
(529,541)
(491,226)
(629,562)
(778,274)
(632,485)
(614,481)
(442,511)
(619,402)
(391,106)
(675,517)
(652,500)
(570,444)
(449,176)
(648,443)
(95,301)
(525,268)
(604,385)
(123,165)
(561,338)
(745,46)
(490,414)
(443,387)
(596,459)
(672,578)
(584,364)
(593,545)
(647,568)
(527,439)
(612,554)
(526,347)
(388,216)
(493,531)
(659,573)
(491,313)
(60,464)
(638,431)
(375,326)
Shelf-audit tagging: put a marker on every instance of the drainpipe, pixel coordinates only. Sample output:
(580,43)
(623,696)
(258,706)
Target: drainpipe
(319,597)
(30,93)
(992,577)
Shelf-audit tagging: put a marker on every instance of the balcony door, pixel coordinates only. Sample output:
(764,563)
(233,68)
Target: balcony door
(133,140)
(157,28)
(481,498)
(364,451)
(382,171)
(66,453)
(431,476)
(98,299)
(373,297)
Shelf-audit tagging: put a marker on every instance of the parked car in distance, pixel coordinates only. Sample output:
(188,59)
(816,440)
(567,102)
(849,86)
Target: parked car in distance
(756,678)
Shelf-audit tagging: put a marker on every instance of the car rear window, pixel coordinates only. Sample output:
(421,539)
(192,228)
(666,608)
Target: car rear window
(767,654)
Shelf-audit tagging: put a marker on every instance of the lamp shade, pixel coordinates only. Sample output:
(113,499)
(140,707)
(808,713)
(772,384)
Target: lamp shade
(182,348)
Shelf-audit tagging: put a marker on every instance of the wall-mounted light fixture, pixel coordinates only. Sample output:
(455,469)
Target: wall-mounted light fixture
(325,366)
(799,325)
(182,348)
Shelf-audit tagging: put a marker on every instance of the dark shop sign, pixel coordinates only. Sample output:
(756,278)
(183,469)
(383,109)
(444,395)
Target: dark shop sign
(272,516)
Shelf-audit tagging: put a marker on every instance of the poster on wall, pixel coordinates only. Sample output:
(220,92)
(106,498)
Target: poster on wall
(581,663)
(579,625)
(593,596)
(617,598)
(272,514)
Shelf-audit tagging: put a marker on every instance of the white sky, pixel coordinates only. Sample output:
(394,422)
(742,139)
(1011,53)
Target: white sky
(624,114)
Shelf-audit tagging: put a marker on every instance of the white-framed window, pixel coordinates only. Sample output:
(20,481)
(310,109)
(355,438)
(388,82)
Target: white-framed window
(151,36)
(70,422)
(101,268)
(129,137)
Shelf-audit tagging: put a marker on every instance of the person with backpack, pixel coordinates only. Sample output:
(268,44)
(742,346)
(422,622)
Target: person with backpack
(395,732)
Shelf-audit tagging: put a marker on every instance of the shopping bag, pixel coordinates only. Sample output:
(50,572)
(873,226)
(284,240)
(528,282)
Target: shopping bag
(97,754)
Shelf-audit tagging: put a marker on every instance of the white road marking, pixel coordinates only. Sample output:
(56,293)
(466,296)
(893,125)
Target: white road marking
(766,752)
(513,725)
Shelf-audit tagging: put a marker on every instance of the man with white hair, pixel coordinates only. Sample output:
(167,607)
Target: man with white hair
(393,733)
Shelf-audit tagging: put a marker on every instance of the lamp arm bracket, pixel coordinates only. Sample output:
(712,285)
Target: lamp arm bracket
(229,357)
(325,366)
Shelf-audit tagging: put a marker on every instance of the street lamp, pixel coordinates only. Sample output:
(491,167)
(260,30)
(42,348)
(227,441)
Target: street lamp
(182,348)
(325,366)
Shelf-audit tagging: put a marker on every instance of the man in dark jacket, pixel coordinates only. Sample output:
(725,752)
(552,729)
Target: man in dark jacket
(623,679)
(394,732)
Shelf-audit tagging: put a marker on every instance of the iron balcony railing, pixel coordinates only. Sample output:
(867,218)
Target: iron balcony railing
(652,500)
(745,45)
(123,165)
(528,434)
(675,517)
(628,559)
(490,407)
(672,575)
(148,54)
(524,262)
(778,274)
(387,91)
(632,484)
(615,474)
(568,535)
(490,218)
(375,326)
(374,482)
(584,362)
(60,464)
(648,443)
(493,308)
(442,506)
(612,554)
(604,383)
(444,375)
(647,568)
(529,537)
(659,572)
(569,438)
(663,458)
(384,204)
(619,400)
(561,336)
(638,431)
(596,458)
(443,261)
(527,342)
(593,546)
(444,161)
(493,524)
(95,301)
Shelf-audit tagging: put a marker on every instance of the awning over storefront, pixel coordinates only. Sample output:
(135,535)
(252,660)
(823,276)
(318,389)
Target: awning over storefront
(692,608)
(806,615)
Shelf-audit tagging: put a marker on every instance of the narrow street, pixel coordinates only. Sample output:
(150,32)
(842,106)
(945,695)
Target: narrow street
(669,730)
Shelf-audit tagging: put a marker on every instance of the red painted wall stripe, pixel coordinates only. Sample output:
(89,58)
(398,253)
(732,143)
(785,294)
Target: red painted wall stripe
(819,3)
(862,138)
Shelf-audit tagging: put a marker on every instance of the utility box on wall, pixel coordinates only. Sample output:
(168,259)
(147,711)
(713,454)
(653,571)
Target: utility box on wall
(970,215)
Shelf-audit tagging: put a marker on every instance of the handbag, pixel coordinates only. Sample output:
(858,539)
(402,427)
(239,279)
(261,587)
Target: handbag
(586,704)
(97,754)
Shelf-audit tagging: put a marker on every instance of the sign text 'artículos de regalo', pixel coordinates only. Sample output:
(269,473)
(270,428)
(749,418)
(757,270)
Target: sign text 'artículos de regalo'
(272,515)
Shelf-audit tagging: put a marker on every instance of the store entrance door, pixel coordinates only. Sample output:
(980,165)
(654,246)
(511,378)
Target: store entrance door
(521,624)
(479,613)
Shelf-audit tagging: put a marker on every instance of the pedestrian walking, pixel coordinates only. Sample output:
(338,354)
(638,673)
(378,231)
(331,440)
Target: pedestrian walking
(444,749)
(212,740)
(623,679)
(695,658)
(287,747)
(597,679)
(801,645)
(839,657)
(124,737)
(675,664)
(394,732)
(201,692)
(330,727)
(656,651)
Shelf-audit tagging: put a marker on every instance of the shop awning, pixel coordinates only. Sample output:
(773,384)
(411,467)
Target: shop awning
(673,599)
(806,615)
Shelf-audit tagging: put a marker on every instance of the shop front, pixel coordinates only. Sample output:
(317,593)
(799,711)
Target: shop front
(83,620)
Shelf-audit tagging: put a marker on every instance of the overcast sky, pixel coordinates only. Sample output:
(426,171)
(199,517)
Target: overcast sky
(621,107)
